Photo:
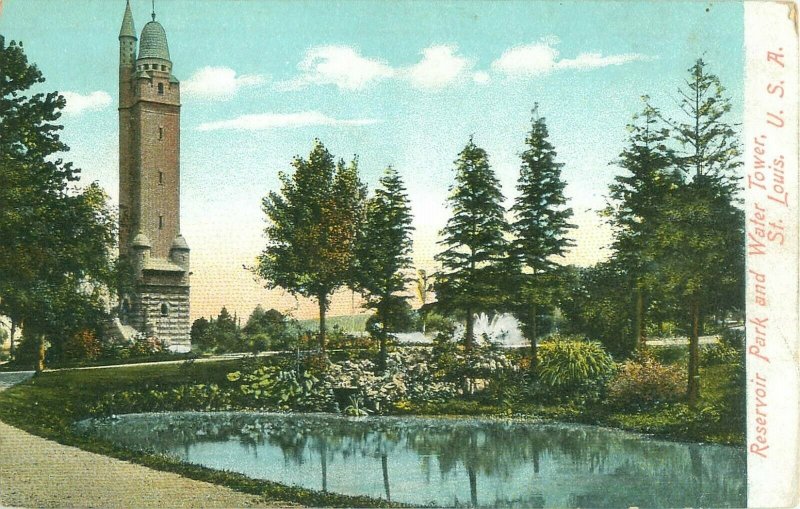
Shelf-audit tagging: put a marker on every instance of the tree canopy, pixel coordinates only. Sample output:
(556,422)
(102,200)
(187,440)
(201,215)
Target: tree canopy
(384,252)
(56,263)
(477,271)
(540,226)
(312,229)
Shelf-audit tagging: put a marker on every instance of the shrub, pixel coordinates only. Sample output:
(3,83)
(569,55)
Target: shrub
(27,352)
(715,355)
(146,346)
(733,338)
(259,342)
(198,397)
(570,368)
(82,345)
(644,382)
(271,387)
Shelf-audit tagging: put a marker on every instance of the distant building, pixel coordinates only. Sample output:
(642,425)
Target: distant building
(149,189)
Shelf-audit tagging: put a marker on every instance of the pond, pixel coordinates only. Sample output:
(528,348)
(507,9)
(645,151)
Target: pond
(444,462)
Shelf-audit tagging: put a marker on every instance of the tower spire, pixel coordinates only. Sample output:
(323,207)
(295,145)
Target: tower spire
(153,14)
(127,29)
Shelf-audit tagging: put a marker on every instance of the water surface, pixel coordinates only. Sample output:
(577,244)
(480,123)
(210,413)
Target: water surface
(445,462)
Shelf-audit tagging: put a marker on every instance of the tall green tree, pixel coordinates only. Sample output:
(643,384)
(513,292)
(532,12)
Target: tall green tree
(312,227)
(636,210)
(57,239)
(541,225)
(477,270)
(384,252)
(703,234)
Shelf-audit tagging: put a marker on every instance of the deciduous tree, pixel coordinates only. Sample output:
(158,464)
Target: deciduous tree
(55,257)
(312,227)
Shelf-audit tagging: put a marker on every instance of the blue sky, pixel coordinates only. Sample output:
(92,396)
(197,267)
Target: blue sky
(400,83)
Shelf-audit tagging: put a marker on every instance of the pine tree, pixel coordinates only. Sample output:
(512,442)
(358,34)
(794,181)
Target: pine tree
(540,227)
(637,207)
(312,229)
(384,252)
(476,266)
(702,237)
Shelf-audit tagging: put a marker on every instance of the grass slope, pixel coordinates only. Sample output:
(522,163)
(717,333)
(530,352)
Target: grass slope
(347,323)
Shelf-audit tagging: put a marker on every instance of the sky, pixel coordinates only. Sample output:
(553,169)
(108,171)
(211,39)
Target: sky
(401,83)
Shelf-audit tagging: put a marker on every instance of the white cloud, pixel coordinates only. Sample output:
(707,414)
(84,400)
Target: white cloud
(218,83)
(481,77)
(78,103)
(260,122)
(594,60)
(440,66)
(342,66)
(345,68)
(542,58)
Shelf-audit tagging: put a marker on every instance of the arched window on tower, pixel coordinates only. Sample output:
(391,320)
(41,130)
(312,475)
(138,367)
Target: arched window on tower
(161,89)
(160,133)
(164,309)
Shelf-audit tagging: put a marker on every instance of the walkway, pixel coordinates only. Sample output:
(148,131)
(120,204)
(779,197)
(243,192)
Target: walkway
(35,472)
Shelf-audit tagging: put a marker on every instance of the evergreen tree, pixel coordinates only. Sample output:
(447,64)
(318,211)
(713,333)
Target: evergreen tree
(311,230)
(702,237)
(476,266)
(636,209)
(56,254)
(384,252)
(540,227)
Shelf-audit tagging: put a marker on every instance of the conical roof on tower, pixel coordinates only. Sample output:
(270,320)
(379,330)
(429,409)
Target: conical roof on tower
(127,29)
(153,43)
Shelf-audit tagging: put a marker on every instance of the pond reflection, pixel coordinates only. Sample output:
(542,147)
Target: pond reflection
(452,462)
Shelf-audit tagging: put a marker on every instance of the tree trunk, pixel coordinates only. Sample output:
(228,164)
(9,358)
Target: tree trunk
(322,310)
(693,387)
(470,332)
(534,339)
(323,457)
(40,354)
(638,322)
(385,468)
(12,347)
(473,486)
(383,354)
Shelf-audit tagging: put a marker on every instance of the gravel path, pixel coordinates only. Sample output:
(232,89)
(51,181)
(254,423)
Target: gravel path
(35,472)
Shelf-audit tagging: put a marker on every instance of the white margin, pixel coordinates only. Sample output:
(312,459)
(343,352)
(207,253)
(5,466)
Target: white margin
(773,365)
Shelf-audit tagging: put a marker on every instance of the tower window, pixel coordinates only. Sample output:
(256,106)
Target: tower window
(160,222)
(160,133)
(164,309)
(163,67)
(160,177)
(161,89)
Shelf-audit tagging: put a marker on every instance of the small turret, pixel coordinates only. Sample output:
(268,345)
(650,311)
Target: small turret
(141,252)
(179,252)
(127,39)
